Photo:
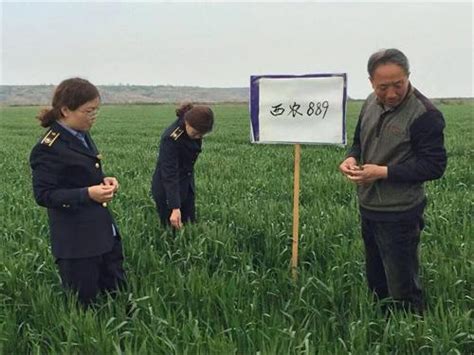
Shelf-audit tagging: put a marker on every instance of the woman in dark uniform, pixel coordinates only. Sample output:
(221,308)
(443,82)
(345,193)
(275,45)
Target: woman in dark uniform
(173,181)
(68,181)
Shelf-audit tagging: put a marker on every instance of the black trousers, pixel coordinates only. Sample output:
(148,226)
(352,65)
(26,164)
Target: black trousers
(90,276)
(188,209)
(392,263)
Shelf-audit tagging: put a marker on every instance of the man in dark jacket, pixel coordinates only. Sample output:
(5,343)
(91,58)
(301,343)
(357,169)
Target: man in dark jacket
(398,145)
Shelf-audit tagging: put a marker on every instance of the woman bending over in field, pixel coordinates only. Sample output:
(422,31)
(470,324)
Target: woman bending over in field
(173,181)
(68,181)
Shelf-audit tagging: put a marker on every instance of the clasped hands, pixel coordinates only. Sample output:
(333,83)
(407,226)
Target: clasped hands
(362,175)
(105,191)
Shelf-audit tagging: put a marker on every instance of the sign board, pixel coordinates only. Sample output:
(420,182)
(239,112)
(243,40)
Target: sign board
(308,109)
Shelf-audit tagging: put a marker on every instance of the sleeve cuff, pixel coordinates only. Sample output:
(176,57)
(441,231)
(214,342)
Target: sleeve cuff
(391,173)
(83,195)
(174,205)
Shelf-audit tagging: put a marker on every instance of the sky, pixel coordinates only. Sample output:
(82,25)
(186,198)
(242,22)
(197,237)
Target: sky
(220,44)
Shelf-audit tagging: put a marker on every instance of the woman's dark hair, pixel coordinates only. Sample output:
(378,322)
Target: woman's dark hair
(70,93)
(183,108)
(200,117)
(384,56)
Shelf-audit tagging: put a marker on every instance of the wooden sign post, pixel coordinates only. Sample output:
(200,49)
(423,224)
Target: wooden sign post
(296,212)
(296,109)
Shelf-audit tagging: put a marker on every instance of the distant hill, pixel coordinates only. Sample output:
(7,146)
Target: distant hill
(125,94)
(23,95)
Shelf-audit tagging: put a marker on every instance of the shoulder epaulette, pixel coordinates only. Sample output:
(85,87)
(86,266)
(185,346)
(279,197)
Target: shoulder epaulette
(176,133)
(49,138)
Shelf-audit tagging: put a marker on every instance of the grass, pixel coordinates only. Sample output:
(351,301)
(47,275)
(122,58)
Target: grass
(224,285)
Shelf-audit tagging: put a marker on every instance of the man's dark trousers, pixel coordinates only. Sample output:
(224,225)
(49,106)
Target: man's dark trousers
(392,266)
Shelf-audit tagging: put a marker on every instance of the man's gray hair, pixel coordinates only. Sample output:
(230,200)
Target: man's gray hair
(384,56)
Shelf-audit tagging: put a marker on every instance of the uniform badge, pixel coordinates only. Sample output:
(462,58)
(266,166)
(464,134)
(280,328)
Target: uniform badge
(176,133)
(49,138)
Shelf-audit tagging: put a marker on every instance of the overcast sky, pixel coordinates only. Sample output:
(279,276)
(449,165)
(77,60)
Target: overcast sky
(222,44)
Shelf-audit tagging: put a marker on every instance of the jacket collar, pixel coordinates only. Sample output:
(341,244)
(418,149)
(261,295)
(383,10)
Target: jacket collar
(74,143)
(180,123)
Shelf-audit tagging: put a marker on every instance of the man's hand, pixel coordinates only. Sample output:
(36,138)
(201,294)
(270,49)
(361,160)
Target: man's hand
(111,181)
(175,218)
(101,193)
(348,166)
(368,173)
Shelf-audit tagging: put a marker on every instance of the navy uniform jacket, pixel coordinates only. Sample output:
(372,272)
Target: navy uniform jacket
(62,170)
(173,179)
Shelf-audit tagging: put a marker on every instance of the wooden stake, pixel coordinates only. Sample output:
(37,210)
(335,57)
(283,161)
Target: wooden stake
(296,212)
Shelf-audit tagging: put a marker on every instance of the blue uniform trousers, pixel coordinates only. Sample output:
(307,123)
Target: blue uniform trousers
(188,210)
(90,276)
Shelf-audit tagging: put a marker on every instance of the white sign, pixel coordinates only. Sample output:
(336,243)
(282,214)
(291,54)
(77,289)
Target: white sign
(298,109)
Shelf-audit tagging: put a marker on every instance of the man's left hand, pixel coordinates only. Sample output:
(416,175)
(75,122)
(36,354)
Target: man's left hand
(368,174)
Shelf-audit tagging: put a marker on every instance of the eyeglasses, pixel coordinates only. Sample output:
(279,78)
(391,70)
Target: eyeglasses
(90,113)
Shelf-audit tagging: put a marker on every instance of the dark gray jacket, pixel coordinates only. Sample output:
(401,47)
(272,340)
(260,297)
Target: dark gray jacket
(409,140)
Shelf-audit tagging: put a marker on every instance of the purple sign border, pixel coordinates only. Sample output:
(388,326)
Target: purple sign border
(255,98)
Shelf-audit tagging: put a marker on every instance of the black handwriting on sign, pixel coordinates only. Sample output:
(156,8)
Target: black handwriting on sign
(315,109)
(294,110)
(277,110)
(320,106)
